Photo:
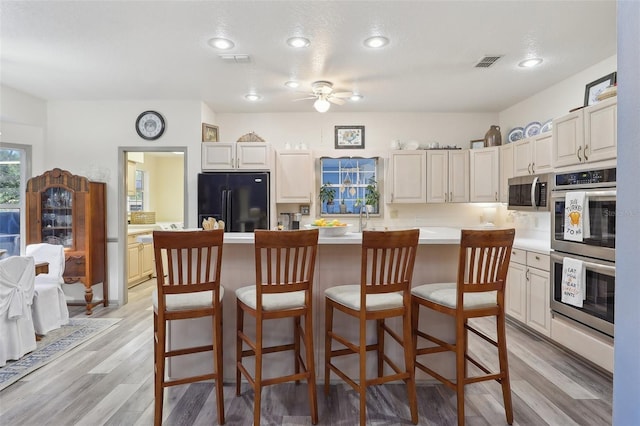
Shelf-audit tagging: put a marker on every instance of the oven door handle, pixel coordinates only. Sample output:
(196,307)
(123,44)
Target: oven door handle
(602,194)
(595,267)
(533,192)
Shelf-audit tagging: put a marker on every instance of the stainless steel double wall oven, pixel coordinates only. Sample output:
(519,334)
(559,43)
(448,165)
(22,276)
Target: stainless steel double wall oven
(597,251)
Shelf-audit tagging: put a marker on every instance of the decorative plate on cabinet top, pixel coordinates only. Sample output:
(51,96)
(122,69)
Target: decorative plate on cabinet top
(546,126)
(515,134)
(532,129)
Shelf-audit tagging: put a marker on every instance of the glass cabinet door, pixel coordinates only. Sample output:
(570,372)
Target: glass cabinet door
(57,216)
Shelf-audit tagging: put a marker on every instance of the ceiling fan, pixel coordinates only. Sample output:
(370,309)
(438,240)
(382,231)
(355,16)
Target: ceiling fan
(322,92)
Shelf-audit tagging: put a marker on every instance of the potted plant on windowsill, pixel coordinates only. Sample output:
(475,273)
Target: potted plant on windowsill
(327,195)
(343,207)
(371,196)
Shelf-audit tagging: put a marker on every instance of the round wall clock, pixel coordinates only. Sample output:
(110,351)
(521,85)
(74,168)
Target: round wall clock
(150,125)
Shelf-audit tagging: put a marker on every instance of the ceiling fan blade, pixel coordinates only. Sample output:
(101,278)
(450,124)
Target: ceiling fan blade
(304,99)
(335,100)
(342,94)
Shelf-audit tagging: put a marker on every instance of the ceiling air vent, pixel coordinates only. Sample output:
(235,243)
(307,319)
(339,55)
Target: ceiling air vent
(487,61)
(235,59)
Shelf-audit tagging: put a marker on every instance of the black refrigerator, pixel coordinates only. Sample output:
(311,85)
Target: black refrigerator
(240,199)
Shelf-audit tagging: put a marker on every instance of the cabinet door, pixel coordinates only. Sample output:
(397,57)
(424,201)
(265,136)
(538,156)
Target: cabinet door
(408,177)
(516,291)
(485,171)
(522,155)
(568,137)
(131,177)
(506,171)
(218,156)
(253,155)
(541,162)
(294,177)
(459,176)
(133,260)
(538,309)
(601,138)
(147,259)
(437,176)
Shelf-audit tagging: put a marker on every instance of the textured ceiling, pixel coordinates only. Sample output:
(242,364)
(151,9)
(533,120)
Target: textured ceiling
(138,50)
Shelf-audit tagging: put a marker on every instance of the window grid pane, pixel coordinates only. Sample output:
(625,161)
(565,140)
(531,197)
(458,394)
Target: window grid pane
(349,178)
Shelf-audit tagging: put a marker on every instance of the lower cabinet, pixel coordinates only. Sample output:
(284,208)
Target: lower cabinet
(528,290)
(139,261)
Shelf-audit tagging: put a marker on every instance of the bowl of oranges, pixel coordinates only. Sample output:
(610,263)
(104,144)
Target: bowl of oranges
(329,228)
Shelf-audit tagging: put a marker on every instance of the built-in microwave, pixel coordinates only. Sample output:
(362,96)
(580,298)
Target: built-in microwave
(529,193)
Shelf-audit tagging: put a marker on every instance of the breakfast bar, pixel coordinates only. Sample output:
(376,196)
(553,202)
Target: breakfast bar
(337,263)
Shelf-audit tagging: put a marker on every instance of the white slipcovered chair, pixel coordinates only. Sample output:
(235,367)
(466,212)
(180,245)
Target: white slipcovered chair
(49,308)
(17,335)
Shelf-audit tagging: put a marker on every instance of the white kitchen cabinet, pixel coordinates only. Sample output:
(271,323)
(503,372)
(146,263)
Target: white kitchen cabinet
(447,176)
(294,177)
(236,156)
(140,260)
(131,178)
(528,290)
(533,155)
(407,177)
(506,171)
(484,167)
(586,135)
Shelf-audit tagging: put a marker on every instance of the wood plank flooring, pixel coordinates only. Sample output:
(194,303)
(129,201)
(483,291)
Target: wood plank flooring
(109,381)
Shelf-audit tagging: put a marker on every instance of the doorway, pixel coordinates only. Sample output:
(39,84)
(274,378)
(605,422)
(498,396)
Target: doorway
(153,196)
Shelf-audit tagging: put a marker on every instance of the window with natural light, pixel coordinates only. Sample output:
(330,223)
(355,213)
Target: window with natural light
(347,184)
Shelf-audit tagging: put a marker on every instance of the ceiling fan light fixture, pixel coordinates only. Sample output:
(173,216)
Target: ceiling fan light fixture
(321,105)
(253,97)
(298,42)
(376,42)
(531,62)
(221,43)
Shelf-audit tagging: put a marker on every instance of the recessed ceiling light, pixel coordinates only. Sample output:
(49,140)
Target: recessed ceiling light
(298,42)
(291,84)
(356,97)
(376,42)
(253,97)
(221,43)
(531,62)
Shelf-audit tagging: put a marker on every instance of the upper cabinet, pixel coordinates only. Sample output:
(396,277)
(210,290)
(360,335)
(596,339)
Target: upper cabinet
(586,135)
(506,170)
(484,174)
(533,155)
(407,177)
(447,176)
(294,177)
(236,156)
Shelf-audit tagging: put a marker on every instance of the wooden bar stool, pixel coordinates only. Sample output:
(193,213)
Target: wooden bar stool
(191,289)
(478,292)
(387,264)
(285,263)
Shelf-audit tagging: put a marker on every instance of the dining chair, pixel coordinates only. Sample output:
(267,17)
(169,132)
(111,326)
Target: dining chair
(189,288)
(285,265)
(479,292)
(49,307)
(17,335)
(386,272)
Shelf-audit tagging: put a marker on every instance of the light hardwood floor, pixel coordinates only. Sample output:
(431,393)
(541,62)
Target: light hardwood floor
(109,381)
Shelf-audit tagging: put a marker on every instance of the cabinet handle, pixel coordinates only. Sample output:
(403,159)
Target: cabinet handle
(533,168)
(496,195)
(527,275)
(451,197)
(537,257)
(529,168)
(579,149)
(586,147)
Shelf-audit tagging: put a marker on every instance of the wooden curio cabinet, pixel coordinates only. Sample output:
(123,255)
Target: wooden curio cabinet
(70,210)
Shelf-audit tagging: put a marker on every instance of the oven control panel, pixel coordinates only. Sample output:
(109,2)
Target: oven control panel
(591,178)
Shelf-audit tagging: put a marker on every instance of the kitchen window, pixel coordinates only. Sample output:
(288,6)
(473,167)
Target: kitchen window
(347,178)
(136,200)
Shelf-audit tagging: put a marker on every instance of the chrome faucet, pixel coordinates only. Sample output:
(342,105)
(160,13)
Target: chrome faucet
(363,226)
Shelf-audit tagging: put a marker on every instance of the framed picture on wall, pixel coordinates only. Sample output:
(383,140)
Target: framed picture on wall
(594,88)
(349,137)
(209,133)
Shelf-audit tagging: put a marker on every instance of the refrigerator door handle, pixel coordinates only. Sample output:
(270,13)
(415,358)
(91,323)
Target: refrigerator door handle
(227,212)
(223,204)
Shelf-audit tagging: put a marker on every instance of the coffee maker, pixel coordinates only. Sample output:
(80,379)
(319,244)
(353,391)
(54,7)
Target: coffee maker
(290,221)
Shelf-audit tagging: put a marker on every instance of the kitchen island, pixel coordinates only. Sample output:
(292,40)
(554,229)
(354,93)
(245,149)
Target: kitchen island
(337,263)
